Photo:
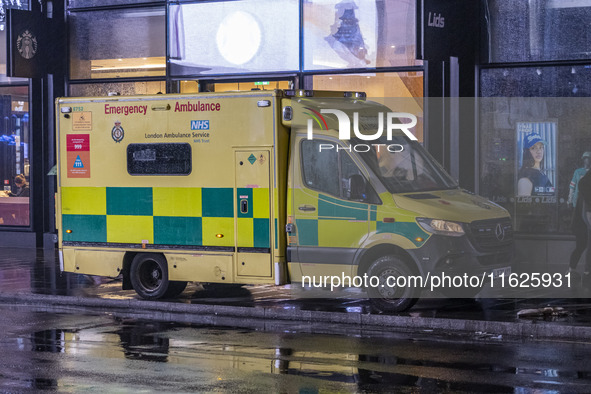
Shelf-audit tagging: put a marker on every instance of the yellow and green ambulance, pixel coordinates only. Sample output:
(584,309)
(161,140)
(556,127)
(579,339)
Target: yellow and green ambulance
(262,187)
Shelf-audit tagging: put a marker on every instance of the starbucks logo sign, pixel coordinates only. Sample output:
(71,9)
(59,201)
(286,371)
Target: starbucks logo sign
(26,43)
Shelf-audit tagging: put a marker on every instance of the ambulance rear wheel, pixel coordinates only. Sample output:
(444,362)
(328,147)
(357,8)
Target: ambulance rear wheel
(383,293)
(149,276)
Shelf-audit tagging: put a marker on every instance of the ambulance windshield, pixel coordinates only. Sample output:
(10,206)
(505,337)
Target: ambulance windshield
(403,165)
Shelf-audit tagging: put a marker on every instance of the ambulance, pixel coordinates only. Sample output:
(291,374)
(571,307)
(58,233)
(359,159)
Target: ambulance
(264,187)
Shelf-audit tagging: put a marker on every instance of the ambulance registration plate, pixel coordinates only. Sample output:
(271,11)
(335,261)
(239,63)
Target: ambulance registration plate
(504,271)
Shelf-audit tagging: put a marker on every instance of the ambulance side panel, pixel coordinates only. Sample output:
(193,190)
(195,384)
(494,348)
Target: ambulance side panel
(195,178)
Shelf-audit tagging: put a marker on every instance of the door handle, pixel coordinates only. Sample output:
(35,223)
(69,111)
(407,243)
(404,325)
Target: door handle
(307,208)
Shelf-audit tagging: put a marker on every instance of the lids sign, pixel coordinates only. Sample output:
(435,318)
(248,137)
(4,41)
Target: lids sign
(78,155)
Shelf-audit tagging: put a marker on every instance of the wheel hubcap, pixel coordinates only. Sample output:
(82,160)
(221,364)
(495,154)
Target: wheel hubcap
(150,276)
(387,288)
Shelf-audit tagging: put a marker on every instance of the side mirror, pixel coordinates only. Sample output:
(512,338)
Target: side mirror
(357,187)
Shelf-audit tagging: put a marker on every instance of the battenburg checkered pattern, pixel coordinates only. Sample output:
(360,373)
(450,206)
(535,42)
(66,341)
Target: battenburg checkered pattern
(165,216)
(325,228)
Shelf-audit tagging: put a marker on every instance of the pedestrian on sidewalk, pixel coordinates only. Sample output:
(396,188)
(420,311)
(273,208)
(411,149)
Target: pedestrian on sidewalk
(578,226)
(585,201)
(573,192)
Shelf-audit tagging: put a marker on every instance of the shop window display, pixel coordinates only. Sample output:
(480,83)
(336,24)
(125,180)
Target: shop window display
(233,37)
(117,88)
(359,34)
(532,144)
(14,156)
(118,43)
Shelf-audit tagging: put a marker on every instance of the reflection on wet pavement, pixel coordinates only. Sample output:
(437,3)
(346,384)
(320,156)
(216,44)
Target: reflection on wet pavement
(106,353)
(36,271)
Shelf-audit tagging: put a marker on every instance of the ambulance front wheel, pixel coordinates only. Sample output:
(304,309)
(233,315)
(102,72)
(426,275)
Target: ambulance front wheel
(149,277)
(383,293)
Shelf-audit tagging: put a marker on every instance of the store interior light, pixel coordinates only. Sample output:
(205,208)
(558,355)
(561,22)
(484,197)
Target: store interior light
(144,66)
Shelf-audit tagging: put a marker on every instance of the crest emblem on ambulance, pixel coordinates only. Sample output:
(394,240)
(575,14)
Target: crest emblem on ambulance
(117,132)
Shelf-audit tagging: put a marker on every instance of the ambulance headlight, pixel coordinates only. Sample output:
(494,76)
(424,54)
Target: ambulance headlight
(441,227)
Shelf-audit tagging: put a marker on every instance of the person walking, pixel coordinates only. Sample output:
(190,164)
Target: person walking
(585,201)
(578,226)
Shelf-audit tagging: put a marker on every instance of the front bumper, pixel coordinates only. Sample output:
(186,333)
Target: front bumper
(458,256)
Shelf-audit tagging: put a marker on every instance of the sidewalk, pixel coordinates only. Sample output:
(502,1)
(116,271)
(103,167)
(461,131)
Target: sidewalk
(29,277)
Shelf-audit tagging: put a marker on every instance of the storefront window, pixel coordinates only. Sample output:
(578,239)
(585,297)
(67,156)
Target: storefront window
(234,37)
(22,5)
(242,86)
(14,156)
(532,144)
(118,43)
(117,88)
(103,3)
(359,34)
(532,30)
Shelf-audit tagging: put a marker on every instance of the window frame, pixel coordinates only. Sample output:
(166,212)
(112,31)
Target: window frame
(130,153)
(372,197)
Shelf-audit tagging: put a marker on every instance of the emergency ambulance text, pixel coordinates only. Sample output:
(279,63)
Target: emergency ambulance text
(197,107)
(126,109)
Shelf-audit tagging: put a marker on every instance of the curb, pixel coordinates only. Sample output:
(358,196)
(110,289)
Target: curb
(318,320)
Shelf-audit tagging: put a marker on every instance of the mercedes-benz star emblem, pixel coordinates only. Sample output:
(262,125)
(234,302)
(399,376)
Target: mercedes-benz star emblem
(500,232)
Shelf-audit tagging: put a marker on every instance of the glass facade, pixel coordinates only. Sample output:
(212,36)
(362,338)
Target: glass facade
(518,106)
(535,30)
(406,86)
(119,88)
(15,166)
(15,137)
(532,133)
(103,3)
(359,34)
(234,37)
(118,43)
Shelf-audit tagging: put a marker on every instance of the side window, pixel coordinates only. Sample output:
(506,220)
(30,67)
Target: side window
(334,173)
(320,169)
(159,159)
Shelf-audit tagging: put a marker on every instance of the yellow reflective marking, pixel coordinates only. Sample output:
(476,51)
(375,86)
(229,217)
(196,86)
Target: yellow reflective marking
(130,229)
(177,201)
(84,200)
(245,232)
(261,206)
(213,226)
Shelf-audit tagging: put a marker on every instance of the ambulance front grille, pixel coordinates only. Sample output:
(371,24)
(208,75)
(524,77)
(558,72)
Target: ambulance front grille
(493,235)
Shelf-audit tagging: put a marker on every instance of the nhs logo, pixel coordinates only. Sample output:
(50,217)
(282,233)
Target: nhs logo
(200,125)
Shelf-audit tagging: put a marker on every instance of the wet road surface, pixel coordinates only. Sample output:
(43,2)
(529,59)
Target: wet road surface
(33,271)
(61,351)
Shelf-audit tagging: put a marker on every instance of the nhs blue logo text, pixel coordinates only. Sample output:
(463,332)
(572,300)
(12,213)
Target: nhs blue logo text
(200,125)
